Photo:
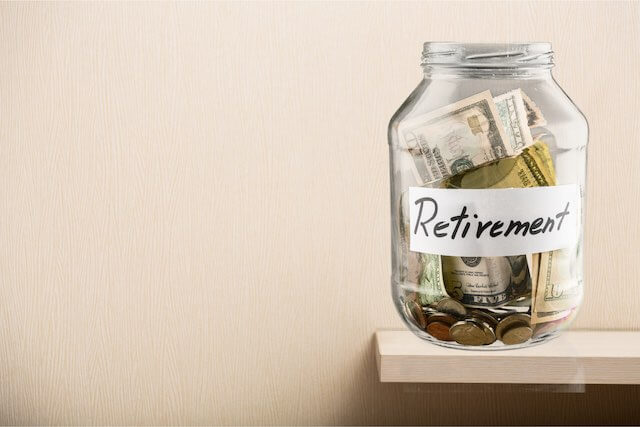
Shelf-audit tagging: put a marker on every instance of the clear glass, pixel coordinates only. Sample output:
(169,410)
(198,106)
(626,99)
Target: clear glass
(533,307)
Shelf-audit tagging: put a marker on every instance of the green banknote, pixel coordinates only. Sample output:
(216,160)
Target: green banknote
(495,281)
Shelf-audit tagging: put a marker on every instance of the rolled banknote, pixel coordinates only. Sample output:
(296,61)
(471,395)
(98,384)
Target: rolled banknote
(559,288)
(532,168)
(555,288)
(495,281)
(483,281)
(431,288)
(555,325)
(411,268)
(533,261)
(513,115)
(420,272)
(534,115)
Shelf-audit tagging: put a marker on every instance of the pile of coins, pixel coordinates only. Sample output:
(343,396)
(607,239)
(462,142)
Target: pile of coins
(449,320)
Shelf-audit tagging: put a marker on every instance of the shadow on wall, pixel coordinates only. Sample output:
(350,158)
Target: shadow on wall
(486,404)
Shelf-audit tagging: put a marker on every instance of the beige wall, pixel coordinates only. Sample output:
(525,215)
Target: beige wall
(194,220)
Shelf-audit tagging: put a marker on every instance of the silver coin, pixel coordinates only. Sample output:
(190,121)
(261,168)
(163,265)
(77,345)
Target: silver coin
(452,307)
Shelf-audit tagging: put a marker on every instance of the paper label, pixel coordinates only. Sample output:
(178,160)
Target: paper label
(494,222)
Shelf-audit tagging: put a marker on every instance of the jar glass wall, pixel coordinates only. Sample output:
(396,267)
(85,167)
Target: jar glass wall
(487,163)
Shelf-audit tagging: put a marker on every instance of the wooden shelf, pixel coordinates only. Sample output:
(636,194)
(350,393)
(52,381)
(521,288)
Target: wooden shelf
(576,357)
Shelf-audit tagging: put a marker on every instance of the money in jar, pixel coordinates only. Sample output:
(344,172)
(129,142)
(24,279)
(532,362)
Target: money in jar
(487,162)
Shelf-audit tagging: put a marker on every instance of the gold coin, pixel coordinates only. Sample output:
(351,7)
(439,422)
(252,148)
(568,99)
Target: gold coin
(452,307)
(467,333)
(414,311)
(517,334)
(509,321)
(490,336)
(484,316)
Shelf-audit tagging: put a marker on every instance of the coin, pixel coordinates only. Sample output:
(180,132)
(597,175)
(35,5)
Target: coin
(452,307)
(447,319)
(467,333)
(503,311)
(415,312)
(517,334)
(439,330)
(509,321)
(483,315)
(523,301)
(490,336)
(429,311)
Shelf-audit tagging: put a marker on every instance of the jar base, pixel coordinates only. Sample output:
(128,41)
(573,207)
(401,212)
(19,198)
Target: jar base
(496,346)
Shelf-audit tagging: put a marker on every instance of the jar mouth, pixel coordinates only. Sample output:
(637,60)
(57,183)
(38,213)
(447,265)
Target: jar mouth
(487,55)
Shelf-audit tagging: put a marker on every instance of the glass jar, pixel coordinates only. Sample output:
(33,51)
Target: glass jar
(487,162)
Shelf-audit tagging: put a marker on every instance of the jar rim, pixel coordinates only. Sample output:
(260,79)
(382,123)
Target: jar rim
(487,55)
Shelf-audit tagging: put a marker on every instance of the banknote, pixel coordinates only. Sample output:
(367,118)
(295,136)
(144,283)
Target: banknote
(559,288)
(494,281)
(534,115)
(551,273)
(431,288)
(411,267)
(562,320)
(513,115)
(531,168)
(455,138)
(421,272)
(484,282)
(533,261)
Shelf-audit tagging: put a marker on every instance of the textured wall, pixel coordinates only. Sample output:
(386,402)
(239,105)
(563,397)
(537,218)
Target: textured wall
(182,194)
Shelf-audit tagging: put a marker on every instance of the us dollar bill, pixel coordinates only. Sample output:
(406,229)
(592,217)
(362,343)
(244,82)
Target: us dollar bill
(534,115)
(431,288)
(486,282)
(494,281)
(411,268)
(419,272)
(455,138)
(513,115)
(533,261)
(559,288)
(531,168)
